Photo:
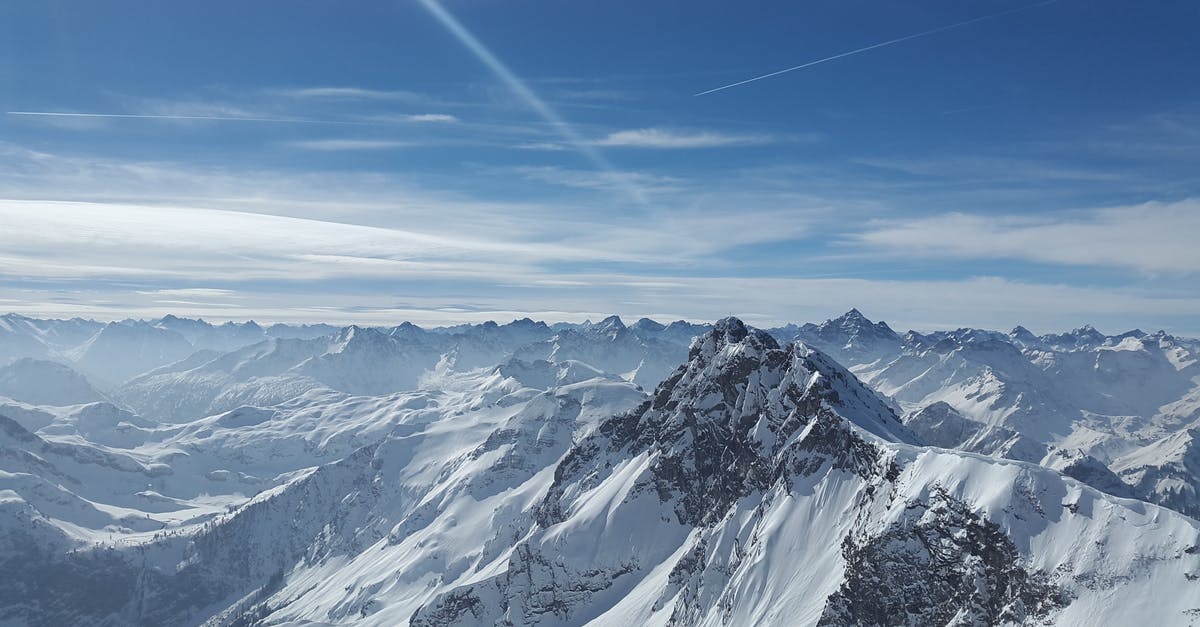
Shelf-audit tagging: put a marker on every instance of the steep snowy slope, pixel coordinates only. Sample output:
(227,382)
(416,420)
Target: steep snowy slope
(45,383)
(939,424)
(1166,472)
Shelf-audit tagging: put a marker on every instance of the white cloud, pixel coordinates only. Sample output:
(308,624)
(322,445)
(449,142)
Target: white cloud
(240,243)
(1151,237)
(350,144)
(677,139)
(409,118)
(353,93)
(550,146)
(597,179)
(45,239)
(432,117)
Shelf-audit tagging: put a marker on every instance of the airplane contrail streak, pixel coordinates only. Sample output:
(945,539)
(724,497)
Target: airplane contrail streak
(881,44)
(518,86)
(218,118)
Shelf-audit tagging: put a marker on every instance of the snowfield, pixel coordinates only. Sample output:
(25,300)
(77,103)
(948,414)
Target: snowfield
(174,472)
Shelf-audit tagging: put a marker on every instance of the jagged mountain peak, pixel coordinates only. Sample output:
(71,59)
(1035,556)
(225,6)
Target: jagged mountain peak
(646,324)
(610,324)
(407,332)
(854,314)
(1133,333)
(736,417)
(355,336)
(1021,333)
(854,323)
(729,337)
(745,371)
(528,323)
(1088,332)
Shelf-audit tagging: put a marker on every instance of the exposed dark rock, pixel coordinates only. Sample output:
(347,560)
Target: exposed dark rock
(941,565)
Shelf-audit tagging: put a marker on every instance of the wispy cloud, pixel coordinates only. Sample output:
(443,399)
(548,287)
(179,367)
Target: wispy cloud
(354,93)
(595,95)
(431,117)
(351,144)
(326,245)
(176,117)
(550,146)
(677,139)
(123,241)
(978,169)
(1151,237)
(592,179)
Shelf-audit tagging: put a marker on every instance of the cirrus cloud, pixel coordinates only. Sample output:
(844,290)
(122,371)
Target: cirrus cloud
(659,138)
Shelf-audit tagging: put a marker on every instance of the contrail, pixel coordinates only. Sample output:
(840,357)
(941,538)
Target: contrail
(218,118)
(881,44)
(523,91)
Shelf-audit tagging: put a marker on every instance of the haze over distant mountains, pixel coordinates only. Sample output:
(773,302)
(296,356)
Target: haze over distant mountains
(172,471)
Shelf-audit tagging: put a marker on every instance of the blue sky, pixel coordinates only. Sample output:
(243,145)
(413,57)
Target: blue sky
(485,159)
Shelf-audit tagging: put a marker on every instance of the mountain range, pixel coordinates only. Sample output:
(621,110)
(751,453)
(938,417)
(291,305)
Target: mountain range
(177,472)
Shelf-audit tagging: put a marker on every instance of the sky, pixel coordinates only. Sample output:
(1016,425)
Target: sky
(969,163)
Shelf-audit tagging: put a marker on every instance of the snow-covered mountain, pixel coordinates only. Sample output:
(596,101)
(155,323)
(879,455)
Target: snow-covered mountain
(45,383)
(121,350)
(758,483)
(224,337)
(354,360)
(1090,405)
(1166,471)
(368,361)
(645,354)
(19,337)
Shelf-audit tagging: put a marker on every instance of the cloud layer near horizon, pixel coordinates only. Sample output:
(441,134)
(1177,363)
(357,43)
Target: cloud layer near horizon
(272,245)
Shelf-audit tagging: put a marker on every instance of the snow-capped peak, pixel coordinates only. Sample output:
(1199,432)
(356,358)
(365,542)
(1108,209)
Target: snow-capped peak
(609,325)
(648,325)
